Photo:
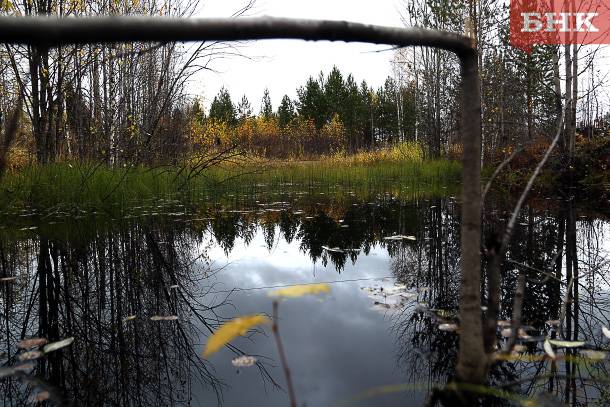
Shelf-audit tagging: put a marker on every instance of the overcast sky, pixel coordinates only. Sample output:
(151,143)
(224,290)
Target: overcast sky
(283,65)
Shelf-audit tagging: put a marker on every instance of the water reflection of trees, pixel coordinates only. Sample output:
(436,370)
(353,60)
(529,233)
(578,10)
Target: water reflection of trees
(430,266)
(350,229)
(567,272)
(86,285)
(87,290)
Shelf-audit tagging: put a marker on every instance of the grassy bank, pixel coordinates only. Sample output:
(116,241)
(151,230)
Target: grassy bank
(585,178)
(112,190)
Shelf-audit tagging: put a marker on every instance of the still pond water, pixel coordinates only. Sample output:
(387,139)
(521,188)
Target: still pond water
(392,265)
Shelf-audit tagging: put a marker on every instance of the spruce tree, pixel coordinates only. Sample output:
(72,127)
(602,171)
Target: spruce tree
(266,107)
(285,113)
(222,108)
(244,109)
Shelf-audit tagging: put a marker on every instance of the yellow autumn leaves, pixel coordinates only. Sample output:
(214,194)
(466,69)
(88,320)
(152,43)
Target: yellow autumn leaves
(300,290)
(231,330)
(266,138)
(241,325)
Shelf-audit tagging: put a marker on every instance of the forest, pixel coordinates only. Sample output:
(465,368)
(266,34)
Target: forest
(437,237)
(122,103)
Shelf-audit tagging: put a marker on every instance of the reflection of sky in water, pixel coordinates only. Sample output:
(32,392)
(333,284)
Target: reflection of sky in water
(337,345)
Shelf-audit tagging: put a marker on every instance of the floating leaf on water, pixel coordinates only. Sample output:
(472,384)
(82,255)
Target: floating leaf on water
(129,318)
(32,355)
(400,237)
(566,344)
(606,332)
(549,349)
(24,367)
(40,397)
(332,249)
(301,290)
(448,327)
(31,343)
(397,288)
(51,347)
(164,318)
(8,279)
(244,361)
(593,354)
(231,330)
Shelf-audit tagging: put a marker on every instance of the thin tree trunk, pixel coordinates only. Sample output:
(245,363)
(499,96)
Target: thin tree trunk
(472,361)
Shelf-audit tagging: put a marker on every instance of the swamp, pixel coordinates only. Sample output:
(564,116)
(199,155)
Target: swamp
(434,231)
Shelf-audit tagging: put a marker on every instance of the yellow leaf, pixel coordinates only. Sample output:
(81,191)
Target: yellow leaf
(232,329)
(301,290)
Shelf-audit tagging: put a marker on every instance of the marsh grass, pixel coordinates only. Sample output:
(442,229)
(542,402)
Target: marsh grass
(74,188)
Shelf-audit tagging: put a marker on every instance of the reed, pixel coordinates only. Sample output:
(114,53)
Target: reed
(91,188)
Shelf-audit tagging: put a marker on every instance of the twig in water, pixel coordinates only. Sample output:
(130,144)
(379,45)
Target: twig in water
(280,350)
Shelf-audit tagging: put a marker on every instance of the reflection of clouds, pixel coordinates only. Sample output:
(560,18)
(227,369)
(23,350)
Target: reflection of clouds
(253,265)
(337,345)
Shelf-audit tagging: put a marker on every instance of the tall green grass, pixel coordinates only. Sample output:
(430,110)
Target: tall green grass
(113,190)
(331,173)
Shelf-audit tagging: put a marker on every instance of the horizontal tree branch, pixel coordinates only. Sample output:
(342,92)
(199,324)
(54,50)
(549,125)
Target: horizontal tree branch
(52,32)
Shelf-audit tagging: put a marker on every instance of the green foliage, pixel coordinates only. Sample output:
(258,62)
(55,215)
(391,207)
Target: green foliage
(285,112)
(222,108)
(266,107)
(67,188)
(244,109)
(311,103)
(591,166)
(331,115)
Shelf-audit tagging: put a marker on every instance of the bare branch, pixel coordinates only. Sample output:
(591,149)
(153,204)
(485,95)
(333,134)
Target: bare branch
(50,32)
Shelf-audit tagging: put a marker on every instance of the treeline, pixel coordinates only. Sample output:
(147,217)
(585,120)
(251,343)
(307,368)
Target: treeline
(113,103)
(523,95)
(128,103)
(332,113)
